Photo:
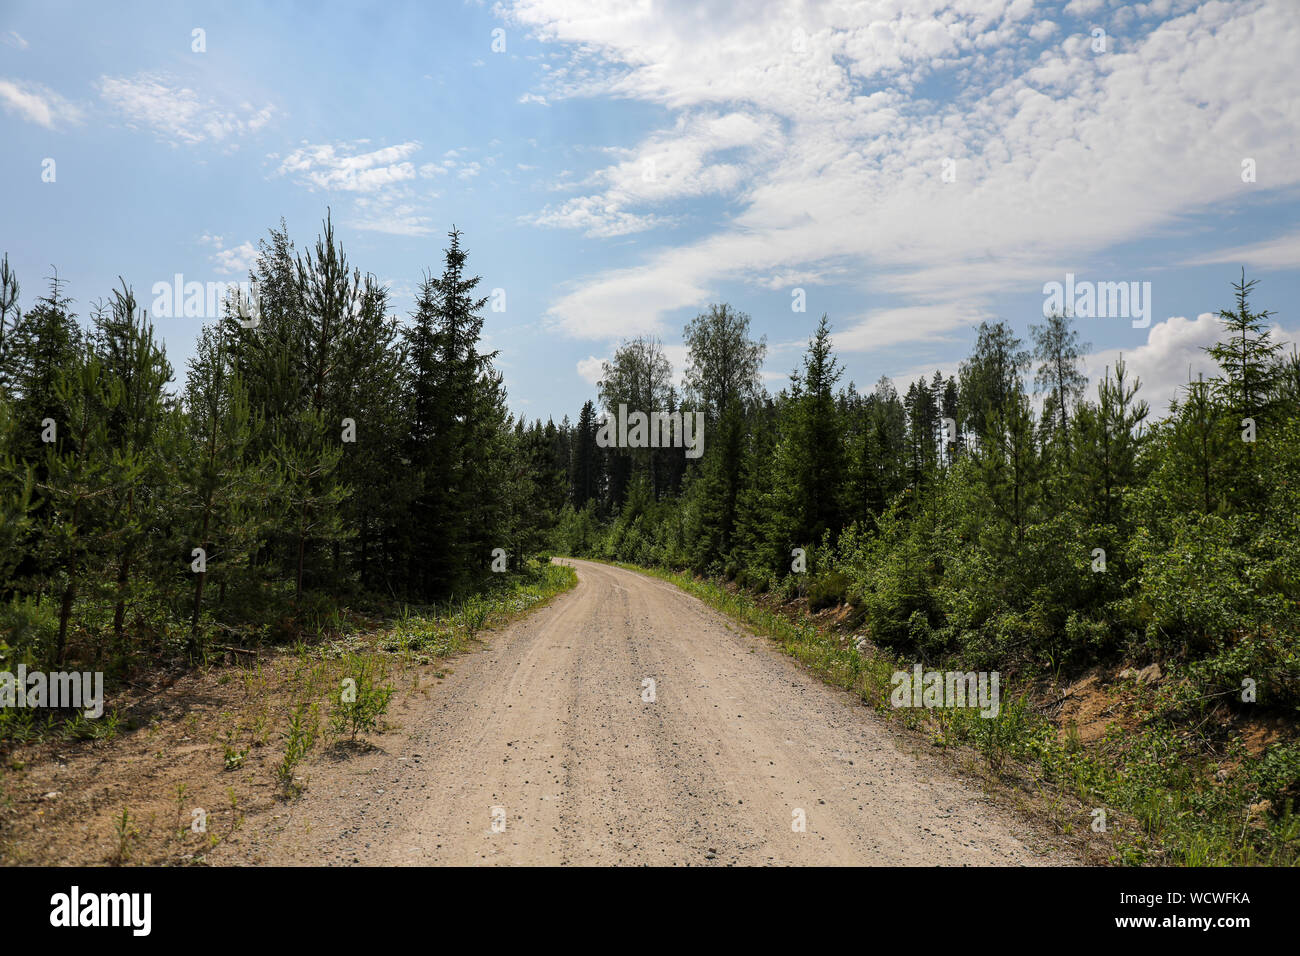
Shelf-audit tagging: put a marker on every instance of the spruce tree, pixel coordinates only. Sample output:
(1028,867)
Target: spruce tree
(1248,358)
(586,472)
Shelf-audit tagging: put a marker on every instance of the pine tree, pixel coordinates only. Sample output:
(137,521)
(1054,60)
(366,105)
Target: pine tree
(306,458)
(881,454)
(366,401)
(17,490)
(10,316)
(950,408)
(228,490)
(1110,441)
(922,431)
(716,490)
(46,342)
(123,338)
(330,295)
(83,475)
(763,534)
(1008,466)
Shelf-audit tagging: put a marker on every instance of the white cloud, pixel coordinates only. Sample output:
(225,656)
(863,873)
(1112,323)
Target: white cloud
(596,217)
(1061,153)
(677,356)
(1083,8)
(382,180)
(14,39)
(37,104)
(917,323)
(399,289)
(341,167)
(631,301)
(1042,30)
(1173,354)
(393,215)
(178,114)
(1280,253)
(238,259)
(591,369)
(909,375)
(670,165)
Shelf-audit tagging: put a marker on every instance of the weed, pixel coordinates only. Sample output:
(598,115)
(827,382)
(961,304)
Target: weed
(126,833)
(300,738)
(362,702)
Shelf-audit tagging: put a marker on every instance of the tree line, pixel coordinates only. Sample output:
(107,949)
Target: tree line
(1004,515)
(327,453)
(320,452)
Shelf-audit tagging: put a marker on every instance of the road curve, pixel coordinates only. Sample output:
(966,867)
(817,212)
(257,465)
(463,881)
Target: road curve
(545,731)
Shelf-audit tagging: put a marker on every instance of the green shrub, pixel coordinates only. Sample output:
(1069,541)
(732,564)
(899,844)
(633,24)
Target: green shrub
(828,590)
(28,631)
(362,700)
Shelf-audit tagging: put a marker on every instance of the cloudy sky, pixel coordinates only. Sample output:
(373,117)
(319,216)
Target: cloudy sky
(907,167)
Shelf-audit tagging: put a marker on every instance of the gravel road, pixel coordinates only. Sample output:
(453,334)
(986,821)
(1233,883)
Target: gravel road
(541,748)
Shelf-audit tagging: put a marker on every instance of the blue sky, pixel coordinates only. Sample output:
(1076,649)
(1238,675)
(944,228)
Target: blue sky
(616,167)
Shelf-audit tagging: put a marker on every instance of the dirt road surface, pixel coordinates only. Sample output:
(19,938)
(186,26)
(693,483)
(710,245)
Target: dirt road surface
(541,748)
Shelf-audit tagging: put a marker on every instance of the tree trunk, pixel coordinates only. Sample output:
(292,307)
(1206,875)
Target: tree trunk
(302,551)
(123,575)
(65,612)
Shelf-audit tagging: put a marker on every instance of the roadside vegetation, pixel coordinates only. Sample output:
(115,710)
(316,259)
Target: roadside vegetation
(329,505)
(1157,777)
(236,735)
(329,473)
(1132,577)
(322,463)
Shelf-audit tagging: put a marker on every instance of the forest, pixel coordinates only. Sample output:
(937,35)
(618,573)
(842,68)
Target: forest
(332,450)
(322,455)
(331,455)
(1008,518)
(1002,514)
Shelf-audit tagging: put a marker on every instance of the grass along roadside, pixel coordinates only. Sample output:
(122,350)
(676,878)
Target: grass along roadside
(233,739)
(1164,794)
